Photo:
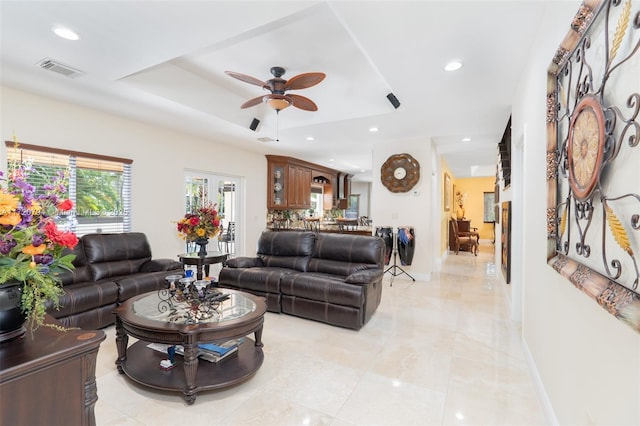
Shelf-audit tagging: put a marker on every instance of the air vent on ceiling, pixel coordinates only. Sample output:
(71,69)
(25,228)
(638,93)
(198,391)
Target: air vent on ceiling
(55,66)
(266,140)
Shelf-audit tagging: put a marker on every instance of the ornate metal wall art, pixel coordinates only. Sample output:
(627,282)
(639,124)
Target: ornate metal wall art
(593,158)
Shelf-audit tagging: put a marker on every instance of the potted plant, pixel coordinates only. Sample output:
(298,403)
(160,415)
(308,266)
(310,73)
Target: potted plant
(33,250)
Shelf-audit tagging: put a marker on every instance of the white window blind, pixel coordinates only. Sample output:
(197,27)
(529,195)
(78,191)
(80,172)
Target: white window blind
(99,186)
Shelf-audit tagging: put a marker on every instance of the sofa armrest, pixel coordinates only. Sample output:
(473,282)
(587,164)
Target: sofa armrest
(365,277)
(244,262)
(157,265)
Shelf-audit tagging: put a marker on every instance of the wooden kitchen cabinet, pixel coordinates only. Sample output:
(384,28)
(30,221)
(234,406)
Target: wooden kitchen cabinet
(327,196)
(289,183)
(299,193)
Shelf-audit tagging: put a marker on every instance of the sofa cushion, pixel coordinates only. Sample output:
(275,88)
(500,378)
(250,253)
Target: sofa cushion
(336,267)
(340,315)
(81,273)
(287,244)
(350,248)
(263,279)
(112,255)
(323,288)
(84,296)
(244,262)
(99,317)
(157,265)
(134,284)
(289,262)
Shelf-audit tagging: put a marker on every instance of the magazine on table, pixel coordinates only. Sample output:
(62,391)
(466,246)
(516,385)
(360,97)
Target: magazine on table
(211,352)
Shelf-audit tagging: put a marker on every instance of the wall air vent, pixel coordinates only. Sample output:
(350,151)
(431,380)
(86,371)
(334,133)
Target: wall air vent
(266,140)
(55,66)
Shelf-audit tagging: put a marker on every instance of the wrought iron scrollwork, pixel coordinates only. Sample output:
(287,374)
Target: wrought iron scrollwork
(594,207)
(188,301)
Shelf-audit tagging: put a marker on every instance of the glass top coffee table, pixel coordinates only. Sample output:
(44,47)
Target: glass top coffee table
(144,318)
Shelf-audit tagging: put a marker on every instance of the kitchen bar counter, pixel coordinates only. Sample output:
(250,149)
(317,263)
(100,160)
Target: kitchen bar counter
(329,228)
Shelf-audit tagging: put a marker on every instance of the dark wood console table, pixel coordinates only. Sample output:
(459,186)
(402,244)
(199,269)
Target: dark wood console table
(49,378)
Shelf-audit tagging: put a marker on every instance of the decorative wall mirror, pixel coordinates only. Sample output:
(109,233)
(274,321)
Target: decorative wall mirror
(593,158)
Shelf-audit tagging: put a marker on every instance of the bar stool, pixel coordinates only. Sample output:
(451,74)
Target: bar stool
(312,224)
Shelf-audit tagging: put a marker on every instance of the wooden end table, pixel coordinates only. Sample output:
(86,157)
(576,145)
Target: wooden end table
(49,377)
(140,317)
(203,261)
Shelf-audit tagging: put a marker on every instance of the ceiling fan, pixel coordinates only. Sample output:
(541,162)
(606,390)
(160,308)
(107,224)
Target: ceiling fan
(278,99)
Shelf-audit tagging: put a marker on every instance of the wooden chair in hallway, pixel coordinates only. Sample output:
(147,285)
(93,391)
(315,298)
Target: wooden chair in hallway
(464,238)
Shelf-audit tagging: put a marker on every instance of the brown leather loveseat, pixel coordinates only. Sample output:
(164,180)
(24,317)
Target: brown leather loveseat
(332,278)
(110,268)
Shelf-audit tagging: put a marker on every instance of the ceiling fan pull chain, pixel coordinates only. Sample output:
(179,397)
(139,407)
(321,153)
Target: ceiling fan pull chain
(277,125)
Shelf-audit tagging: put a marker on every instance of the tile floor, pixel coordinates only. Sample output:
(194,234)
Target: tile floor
(442,352)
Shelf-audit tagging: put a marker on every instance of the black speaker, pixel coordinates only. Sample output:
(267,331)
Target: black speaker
(254,124)
(394,101)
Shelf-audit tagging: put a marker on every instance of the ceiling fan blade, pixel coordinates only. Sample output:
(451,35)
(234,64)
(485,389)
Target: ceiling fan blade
(247,78)
(302,81)
(252,102)
(302,102)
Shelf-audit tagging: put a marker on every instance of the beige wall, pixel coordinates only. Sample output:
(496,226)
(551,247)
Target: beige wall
(474,204)
(159,159)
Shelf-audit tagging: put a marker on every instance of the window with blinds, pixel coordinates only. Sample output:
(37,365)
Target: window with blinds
(99,186)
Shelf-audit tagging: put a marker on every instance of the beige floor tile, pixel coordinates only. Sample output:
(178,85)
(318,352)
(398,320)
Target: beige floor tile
(438,352)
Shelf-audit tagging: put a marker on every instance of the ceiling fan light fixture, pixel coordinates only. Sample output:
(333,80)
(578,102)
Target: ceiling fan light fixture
(278,103)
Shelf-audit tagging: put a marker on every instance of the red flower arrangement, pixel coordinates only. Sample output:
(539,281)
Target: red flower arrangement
(202,223)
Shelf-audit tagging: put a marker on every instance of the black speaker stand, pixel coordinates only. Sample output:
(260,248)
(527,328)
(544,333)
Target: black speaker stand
(393,269)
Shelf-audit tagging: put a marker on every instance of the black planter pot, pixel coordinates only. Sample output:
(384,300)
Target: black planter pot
(11,317)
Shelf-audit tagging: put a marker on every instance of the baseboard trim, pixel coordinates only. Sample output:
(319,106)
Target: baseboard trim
(547,407)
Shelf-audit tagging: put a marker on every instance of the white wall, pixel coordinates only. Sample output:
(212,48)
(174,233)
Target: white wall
(159,159)
(407,209)
(362,188)
(587,361)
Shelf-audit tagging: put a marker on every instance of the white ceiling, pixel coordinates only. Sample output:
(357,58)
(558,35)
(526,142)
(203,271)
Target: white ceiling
(164,62)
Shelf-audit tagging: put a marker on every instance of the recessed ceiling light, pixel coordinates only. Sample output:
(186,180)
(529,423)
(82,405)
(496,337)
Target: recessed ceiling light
(373,129)
(362,170)
(332,159)
(65,33)
(466,139)
(310,138)
(453,66)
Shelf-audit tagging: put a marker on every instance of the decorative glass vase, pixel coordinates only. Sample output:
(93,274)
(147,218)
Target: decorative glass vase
(202,246)
(460,213)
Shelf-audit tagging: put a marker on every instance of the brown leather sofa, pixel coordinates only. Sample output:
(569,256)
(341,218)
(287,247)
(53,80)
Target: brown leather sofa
(332,278)
(110,268)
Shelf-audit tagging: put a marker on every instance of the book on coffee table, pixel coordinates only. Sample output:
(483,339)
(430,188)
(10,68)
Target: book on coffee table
(208,351)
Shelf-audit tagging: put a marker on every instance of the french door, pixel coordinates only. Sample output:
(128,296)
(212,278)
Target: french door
(203,188)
